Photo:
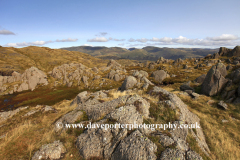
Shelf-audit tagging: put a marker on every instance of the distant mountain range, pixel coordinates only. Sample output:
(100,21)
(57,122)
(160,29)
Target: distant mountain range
(146,53)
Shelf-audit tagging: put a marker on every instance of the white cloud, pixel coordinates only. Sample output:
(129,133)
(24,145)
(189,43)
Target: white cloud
(6,32)
(98,39)
(121,44)
(143,40)
(131,40)
(223,37)
(37,43)
(87,45)
(223,40)
(164,39)
(67,40)
(115,39)
(182,40)
(22,44)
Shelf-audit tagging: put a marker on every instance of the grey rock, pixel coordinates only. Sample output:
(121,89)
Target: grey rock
(126,115)
(192,155)
(222,105)
(214,81)
(185,87)
(145,80)
(97,110)
(53,150)
(200,79)
(68,118)
(159,75)
(9,114)
(144,73)
(135,146)
(166,141)
(172,154)
(184,116)
(85,80)
(145,86)
(229,67)
(80,98)
(31,113)
(141,104)
(48,109)
(128,83)
(236,76)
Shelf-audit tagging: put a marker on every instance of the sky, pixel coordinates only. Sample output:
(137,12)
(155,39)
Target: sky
(120,23)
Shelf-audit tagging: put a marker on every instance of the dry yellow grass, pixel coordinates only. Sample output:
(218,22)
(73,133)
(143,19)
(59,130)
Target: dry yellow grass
(223,138)
(29,134)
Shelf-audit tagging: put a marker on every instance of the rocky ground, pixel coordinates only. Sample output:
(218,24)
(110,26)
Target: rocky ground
(204,91)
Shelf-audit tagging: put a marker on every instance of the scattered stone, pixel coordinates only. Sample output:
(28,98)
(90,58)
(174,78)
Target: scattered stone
(223,105)
(31,113)
(47,109)
(224,121)
(192,155)
(166,141)
(53,150)
(186,86)
(80,98)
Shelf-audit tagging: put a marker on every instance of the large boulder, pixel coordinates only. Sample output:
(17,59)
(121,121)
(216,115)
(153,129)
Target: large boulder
(159,75)
(135,146)
(214,81)
(34,76)
(128,83)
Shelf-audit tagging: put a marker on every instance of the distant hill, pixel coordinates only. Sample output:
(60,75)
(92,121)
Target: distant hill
(146,53)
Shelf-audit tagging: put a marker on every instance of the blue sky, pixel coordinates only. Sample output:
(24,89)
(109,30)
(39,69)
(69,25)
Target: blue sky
(120,23)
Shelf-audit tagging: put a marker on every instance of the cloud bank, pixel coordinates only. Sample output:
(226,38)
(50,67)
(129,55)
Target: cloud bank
(222,40)
(38,43)
(6,32)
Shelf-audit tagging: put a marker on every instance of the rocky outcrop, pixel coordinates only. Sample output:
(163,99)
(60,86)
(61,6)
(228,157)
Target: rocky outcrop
(179,135)
(28,80)
(214,81)
(234,52)
(159,75)
(8,114)
(116,75)
(33,77)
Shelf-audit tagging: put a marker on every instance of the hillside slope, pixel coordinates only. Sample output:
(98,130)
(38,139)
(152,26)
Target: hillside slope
(45,59)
